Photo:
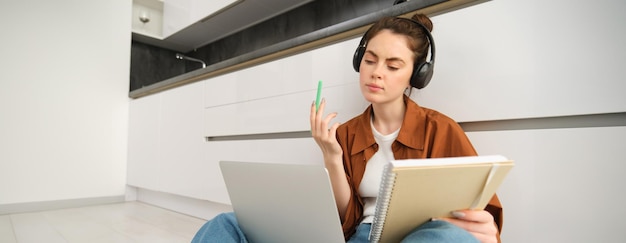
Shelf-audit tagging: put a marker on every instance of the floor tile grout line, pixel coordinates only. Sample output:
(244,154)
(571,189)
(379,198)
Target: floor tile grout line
(52,225)
(56,221)
(173,213)
(101,222)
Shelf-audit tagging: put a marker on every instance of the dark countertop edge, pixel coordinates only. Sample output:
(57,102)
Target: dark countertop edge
(313,40)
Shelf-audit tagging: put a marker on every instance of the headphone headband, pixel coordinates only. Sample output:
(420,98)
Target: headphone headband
(422,71)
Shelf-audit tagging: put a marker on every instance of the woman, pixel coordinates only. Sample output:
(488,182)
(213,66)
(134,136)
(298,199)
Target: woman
(390,60)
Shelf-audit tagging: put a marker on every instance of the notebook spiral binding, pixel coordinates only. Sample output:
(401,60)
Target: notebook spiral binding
(382,202)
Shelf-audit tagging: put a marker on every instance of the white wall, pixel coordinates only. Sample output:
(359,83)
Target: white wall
(63,99)
(499,60)
(510,59)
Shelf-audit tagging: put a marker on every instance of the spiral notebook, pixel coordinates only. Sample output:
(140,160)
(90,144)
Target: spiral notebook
(414,191)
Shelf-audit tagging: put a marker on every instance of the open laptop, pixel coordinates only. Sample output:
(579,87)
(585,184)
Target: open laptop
(282,202)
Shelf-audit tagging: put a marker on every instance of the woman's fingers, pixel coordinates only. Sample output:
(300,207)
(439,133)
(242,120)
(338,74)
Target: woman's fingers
(321,130)
(312,118)
(318,123)
(316,117)
(479,223)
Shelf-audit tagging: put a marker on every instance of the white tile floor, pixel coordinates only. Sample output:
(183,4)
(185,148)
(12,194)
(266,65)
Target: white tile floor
(121,222)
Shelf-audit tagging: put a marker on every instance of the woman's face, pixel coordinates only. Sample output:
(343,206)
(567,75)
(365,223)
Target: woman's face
(386,68)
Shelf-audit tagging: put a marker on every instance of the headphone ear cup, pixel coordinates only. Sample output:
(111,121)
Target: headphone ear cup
(358,55)
(422,74)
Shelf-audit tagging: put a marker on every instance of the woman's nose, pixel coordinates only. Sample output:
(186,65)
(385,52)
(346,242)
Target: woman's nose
(377,71)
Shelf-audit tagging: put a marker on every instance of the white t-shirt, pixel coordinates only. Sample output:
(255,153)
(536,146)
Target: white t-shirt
(370,183)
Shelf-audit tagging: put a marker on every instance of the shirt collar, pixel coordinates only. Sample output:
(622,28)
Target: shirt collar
(411,134)
(413,131)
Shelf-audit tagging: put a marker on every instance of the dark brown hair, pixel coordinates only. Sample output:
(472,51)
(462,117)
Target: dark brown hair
(417,40)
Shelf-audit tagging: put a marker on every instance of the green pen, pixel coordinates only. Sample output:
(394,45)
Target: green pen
(319,93)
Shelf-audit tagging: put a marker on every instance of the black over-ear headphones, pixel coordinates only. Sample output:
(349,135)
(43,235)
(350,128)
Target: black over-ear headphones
(422,71)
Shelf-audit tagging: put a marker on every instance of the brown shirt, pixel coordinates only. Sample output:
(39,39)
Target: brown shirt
(425,133)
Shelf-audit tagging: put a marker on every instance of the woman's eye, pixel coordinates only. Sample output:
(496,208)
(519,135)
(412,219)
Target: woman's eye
(392,68)
(368,62)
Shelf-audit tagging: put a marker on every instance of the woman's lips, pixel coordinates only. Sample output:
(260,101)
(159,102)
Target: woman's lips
(373,87)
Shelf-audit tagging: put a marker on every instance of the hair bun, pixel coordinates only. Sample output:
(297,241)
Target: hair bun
(424,20)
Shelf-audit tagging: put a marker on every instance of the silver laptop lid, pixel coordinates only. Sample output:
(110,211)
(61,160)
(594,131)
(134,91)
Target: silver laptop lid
(282,202)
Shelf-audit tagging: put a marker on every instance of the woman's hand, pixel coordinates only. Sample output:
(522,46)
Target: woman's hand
(324,135)
(479,223)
